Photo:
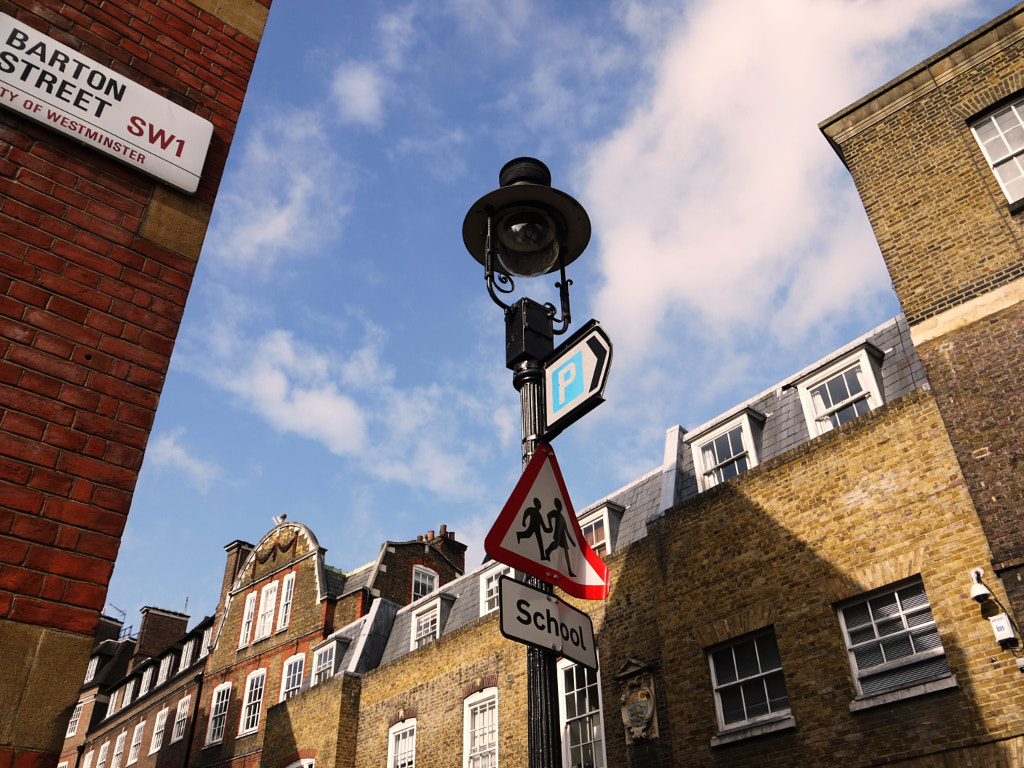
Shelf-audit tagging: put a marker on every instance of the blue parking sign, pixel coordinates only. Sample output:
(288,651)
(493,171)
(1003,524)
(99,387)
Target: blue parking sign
(567,382)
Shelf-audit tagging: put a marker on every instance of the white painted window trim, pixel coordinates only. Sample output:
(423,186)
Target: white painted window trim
(255,693)
(204,648)
(76,715)
(485,696)
(896,692)
(112,703)
(705,476)
(749,726)
(284,614)
(158,731)
(247,619)
(872,377)
(129,691)
(318,675)
(90,671)
(180,719)
(430,607)
(87,760)
(101,758)
(601,513)
(165,668)
(564,664)
(136,747)
(405,728)
(187,652)
(147,680)
(115,760)
(212,725)
(300,659)
(493,575)
(1015,156)
(265,615)
(428,573)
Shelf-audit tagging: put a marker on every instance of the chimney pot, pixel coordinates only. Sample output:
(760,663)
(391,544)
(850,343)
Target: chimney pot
(430,535)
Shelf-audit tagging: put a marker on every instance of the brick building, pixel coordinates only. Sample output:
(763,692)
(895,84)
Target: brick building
(102,218)
(285,620)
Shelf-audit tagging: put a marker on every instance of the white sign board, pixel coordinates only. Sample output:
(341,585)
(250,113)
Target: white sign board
(50,83)
(575,376)
(533,617)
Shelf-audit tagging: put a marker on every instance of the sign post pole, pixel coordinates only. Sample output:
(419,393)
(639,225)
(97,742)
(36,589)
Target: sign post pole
(541,664)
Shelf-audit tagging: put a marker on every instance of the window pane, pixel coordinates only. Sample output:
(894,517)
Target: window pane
(778,698)
(746,659)
(755,698)
(768,652)
(868,656)
(725,670)
(732,704)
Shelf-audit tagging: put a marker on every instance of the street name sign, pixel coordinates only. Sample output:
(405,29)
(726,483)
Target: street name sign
(575,375)
(536,618)
(538,534)
(48,82)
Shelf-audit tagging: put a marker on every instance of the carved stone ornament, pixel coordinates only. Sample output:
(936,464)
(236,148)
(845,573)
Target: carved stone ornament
(638,703)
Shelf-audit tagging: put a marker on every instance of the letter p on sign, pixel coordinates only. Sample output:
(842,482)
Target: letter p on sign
(567,382)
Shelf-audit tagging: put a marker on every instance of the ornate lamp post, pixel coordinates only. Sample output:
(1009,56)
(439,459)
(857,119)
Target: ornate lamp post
(526,228)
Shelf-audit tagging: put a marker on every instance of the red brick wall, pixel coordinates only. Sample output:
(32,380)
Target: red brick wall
(89,307)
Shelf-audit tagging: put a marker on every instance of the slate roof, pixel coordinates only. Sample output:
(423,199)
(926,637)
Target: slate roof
(784,428)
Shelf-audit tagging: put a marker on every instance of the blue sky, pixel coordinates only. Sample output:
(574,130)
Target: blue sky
(339,358)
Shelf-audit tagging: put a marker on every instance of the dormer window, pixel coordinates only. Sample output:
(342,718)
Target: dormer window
(842,391)
(727,450)
(489,581)
(424,581)
(90,671)
(600,527)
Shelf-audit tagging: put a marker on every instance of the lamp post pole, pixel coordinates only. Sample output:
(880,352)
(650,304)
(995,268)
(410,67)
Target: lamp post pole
(526,228)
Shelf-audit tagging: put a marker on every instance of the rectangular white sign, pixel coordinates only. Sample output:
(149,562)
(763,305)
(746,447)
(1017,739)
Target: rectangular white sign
(531,616)
(48,82)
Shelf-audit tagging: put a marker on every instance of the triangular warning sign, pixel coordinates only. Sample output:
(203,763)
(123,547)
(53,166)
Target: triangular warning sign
(537,532)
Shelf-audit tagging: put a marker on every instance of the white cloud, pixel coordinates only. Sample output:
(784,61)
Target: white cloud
(358,90)
(167,452)
(272,203)
(718,199)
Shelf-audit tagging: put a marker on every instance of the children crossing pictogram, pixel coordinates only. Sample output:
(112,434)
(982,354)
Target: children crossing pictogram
(537,532)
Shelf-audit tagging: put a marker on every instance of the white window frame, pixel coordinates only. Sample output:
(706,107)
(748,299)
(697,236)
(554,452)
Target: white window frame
(707,473)
(129,691)
(421,574)
(115,760)
(291,675)
(324,662)
(284,613)
(403,733)
(186,653)
(180,719)
(1000,160)
(568,667)
(590,520)
(252,702)
(87,760)
(76,715)
(112,703)
(136,748)
(756,680)
(473,756)
(147,679)
(165,668)
(247,619)
(818,423)
(489,581)
(101,758)
(220,703)
(265,616)
(159,726)
(430,610)
(90,670)
(204,648)
(915,619)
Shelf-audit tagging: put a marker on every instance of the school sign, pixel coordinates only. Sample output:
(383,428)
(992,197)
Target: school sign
(52,84)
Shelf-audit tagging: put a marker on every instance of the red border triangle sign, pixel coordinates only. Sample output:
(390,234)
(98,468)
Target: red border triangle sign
(537,532)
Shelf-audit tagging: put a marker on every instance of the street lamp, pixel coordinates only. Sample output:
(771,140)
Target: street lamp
(526,228)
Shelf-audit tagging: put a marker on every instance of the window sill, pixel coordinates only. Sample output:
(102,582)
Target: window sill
(209,744)
(880,699)
(1016,206)
(755,729)
(253,732)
